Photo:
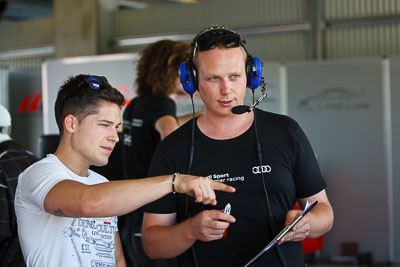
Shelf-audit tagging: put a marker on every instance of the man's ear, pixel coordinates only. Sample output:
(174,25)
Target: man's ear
(70,123)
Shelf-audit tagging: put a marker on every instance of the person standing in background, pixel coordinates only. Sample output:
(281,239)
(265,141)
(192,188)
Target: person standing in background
(149,118)
(14,159)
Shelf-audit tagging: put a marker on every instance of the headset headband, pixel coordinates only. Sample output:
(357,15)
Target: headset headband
(209,38)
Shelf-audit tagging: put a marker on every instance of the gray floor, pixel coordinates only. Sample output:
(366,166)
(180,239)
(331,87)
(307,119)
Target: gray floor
(346,265)
(366,259)
(330,264)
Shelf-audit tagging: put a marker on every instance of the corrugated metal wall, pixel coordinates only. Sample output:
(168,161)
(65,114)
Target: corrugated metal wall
(191,18)
(4,87)
(24,62)
(236,14)
(350,28)
(363,41)
(25,34)
(344,9)
(368,28)
(19,36)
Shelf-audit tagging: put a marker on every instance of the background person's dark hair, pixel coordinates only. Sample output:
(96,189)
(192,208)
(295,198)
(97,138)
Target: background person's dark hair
(76,97)
(158,66)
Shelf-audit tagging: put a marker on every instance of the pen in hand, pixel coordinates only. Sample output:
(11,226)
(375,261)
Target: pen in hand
(227,210)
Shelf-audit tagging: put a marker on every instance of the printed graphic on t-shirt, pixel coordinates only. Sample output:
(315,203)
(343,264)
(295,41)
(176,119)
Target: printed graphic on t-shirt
(225,177)
(93,240)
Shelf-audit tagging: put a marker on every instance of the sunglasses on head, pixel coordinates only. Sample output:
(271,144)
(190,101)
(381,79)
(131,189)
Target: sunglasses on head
(95,82)
(214,36)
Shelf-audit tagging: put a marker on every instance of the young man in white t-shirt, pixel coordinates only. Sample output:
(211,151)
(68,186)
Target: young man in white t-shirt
(67,213)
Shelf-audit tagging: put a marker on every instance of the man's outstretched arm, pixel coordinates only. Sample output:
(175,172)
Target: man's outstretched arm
(115,198)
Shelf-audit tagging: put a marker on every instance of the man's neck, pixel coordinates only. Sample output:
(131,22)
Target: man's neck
(71,161)
(220,128)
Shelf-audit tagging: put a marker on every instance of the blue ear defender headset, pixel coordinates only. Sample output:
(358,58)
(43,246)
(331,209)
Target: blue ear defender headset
(187,76)
(208,39)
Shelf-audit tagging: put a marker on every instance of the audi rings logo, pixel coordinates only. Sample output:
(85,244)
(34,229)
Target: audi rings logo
(261,169)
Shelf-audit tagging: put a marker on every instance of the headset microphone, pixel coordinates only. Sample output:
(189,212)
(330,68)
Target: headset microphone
(240,109)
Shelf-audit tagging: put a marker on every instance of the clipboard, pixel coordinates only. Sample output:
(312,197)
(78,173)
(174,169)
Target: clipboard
(282,233)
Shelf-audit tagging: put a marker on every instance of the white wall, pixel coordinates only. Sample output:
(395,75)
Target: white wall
(340,107)
(395,142)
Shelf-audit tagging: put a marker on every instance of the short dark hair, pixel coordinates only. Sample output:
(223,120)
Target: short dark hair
(158,66)
(80,96)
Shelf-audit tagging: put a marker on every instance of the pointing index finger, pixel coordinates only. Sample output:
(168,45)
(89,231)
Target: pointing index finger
(222,187)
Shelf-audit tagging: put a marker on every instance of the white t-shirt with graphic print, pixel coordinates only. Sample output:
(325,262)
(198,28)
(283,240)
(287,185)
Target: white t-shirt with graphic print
(48,240)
